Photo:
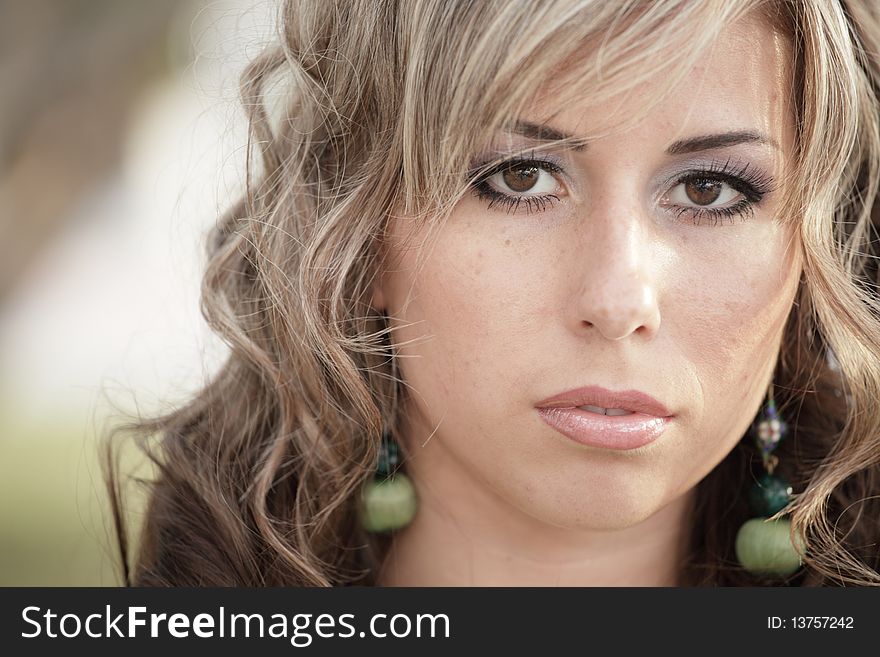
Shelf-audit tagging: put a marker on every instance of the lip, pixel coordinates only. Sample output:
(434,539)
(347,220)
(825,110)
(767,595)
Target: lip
(629,400)
(648,419)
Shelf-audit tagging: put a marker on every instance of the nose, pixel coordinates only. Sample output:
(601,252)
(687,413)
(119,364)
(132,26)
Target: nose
(617,294)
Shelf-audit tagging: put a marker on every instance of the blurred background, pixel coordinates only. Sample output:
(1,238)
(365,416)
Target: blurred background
(121,139)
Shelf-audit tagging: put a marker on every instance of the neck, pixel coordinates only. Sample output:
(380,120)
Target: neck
(465,535)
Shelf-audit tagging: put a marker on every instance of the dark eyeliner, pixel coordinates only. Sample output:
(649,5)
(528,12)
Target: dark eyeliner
(752,184)
(485,192)
(749,182)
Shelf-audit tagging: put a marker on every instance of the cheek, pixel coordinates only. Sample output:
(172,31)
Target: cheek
(480,300)
(474,317)
(729,306)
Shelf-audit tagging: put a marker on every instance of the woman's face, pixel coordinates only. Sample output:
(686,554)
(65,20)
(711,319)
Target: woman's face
(605,268)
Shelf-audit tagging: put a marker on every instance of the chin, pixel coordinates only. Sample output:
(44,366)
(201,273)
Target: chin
(605,513)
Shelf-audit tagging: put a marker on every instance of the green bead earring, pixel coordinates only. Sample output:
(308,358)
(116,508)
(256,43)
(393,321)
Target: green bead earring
(388,500)
(764,547)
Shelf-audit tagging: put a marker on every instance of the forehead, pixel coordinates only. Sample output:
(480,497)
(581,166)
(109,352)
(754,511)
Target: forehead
(741,82)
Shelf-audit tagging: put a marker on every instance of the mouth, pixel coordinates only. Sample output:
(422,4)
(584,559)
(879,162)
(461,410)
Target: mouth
(605,419)
(601,401)
(605,411)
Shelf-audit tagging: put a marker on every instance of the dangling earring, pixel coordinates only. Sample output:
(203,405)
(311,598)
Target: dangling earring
(765,547)
(388,500)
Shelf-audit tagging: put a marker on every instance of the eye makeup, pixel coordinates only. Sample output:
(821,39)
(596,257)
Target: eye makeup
(750,184)
(520,166)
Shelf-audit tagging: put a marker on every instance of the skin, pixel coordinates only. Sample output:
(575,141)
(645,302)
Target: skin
(603,288)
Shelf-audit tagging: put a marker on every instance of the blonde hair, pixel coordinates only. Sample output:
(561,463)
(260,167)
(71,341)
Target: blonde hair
(383,105)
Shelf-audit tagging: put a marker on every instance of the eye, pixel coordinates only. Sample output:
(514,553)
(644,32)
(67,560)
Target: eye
(702,192)
(523,177)
(718,194)
(529,182)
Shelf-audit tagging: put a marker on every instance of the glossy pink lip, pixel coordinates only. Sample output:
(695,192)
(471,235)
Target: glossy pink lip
(649,418)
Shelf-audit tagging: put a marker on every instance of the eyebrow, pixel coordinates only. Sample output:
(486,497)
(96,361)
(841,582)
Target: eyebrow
(541,132)
(546,133)
(720,140)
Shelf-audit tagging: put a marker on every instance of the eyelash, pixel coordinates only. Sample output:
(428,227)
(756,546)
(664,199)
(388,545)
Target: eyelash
(511,203)
(753,185)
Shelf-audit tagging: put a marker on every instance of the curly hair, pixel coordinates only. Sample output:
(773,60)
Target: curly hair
(365,109)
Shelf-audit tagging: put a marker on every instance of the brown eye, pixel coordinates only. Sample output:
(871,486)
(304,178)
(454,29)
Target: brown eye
(703,194)
(703,191)
(521,178)
(524,177)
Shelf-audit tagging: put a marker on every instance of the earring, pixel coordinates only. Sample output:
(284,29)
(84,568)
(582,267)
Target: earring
(388,500)
(765,547)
